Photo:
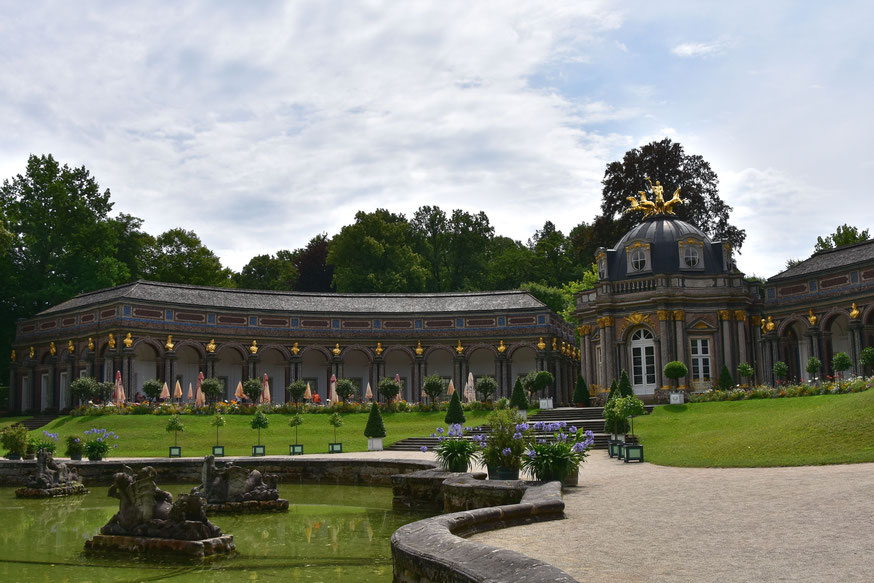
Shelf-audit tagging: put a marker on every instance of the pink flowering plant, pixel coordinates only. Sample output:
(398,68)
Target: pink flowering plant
(556,458)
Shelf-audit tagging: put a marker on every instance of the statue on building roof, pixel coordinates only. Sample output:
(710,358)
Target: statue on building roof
(169,344)
(111,340)
(254,348)
(91,344)
(210,347)
(128,340)
(657,206)
(295,349)
(70,348)
(52,349)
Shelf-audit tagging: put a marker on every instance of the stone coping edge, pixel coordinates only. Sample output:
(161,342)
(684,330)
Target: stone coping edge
(432,550)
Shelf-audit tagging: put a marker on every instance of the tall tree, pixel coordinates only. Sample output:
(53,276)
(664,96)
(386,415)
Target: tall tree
(273,272)
(135,248)
(553,258)
(311,263)
(509,264)
(466,250)
(666,162)
(375,254)
(430,228)
(843,235)
(180,257)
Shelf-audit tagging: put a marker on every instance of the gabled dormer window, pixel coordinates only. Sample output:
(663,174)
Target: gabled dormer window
(638,258)
(691,254)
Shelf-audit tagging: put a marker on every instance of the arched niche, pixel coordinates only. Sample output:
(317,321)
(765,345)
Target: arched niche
(398,362)
(229,366)
(188,367)
(522,361)
(314,369)
(147,365)
(356,367)
(481,362)
(274,364)
(440,362)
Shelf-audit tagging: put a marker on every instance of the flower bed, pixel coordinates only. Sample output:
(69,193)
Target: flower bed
(831,387)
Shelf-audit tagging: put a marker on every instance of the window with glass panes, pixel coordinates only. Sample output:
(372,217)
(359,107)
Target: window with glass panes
(643,369)
(700,354)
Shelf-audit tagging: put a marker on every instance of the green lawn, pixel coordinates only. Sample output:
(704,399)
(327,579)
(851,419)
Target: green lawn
(826,429)
(5,421)
(145,435)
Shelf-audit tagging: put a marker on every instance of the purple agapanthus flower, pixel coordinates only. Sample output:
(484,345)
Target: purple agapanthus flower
(506,451)
(423,449)
(523,427)
(517,435)
(531,454)
(439,430)
(572,428)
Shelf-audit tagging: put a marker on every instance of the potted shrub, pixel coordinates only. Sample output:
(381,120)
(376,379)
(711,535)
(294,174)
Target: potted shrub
(297,390)
(217,421)
(624,386)
(174,424)
(75,447)
(725,381)
(676,370)
(455,412)
(346,389)
(48,442)
(781,370)
(454,452)
(841,361)
(152,389)
(433,386)
(614,420)
(389,389)
(336,422)
(296,421)
(259,421)
(375,429)
(485,387)
(97,443)
(508,439)
(581,393)
(814,365)
(745,371)
(14,440)
(560,458)
(867,357)
(84,389)
(252,389)
(518,399)
(211,389)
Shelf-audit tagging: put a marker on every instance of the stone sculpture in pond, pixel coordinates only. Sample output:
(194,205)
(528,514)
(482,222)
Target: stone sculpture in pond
(51,479)
(149,521)
(235,489)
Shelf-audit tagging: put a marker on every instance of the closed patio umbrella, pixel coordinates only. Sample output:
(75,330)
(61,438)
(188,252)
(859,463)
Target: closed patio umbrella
(368,394)
(265,386)
(199,397)
(238,393)
(177,391)
(165,392)
(308,395)
(451,388)
(468,393)
(332,389)
(118,392)
(398,381)
(190,393)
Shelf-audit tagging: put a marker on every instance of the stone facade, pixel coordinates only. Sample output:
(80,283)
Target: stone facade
(172,332)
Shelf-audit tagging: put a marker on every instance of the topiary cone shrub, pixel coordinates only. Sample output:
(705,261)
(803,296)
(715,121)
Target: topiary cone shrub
(455,413)
(614,390)
(581,393)
(375,426)
(518,398)
(725,380)
(625,389)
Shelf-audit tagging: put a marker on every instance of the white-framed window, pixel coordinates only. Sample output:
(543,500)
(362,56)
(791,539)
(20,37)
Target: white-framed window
(699,351)
(638,260)
(691,256)
(643,367)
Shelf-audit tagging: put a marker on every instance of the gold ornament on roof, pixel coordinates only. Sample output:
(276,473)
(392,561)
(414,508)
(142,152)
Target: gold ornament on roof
(769,325)
(32,353)
(111,340)
(378,349)
(169,344)
(501,347)
(657,206)
(254,348)
(854,312)
(459,349)
(70,348)
(419,349)
(336,350)
(555,344)
(541,345)
(811,318)
(91,344)
(210,347)
(128,341)
(52,350)
(295,349)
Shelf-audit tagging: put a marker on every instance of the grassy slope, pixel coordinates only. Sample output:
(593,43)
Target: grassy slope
(825,429)
(4,421)
(145,435)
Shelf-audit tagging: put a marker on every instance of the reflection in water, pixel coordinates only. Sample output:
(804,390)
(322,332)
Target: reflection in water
(330,533)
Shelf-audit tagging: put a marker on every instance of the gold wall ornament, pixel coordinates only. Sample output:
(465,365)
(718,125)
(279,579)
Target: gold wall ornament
(764,325)
(419,349)
(585,329)
(459,349)
(854,312)
(295,349)
(769,325)
(210,346)
(31,353)
(501,347)
(658,205)
(740,316)
(169,344)
(664,315)
(701,326)
(52,350)
(336,350)
(70,348)
(605,321)
(111,340)
(378,350)
(679,315)
(12,356)
(635,319)
(811,317)
(688,242)
(541,345)
(254,348)
(555,343)
(91,344)
(128,341)
(724,315)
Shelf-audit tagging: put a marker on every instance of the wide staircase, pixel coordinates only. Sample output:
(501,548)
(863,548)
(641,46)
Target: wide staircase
(591,418)
(38,421)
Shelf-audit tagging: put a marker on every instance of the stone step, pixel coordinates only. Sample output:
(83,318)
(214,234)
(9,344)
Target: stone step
(38,421)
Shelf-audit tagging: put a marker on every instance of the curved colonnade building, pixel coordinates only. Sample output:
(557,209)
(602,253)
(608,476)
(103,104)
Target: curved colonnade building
(172,332)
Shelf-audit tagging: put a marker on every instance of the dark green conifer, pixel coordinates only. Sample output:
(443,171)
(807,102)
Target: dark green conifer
(614,390)
(725,380)
(518,398)
(625,389)
(581,392)
(375,427)
(455,413)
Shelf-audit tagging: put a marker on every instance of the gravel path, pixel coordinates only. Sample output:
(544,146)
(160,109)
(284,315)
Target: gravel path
(642,523)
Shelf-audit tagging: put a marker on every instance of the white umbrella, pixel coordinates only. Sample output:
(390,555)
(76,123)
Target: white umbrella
(190,392)
(119,389)
(177,392)
(451,388)
(265,386)
(165,392)
(238,393)
(468,393)
(332,390)
(308,395)
(368,394)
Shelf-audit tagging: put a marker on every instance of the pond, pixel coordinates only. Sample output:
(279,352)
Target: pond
(330,533)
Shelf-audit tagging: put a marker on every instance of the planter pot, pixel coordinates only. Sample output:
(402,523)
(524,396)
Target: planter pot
(13,456)
(546,403)
(502,473)
(95,458)
(76,457)
(175,451)
(458,466)
(30,456)
(218,450)
(523,413)
(259,450)
(374,444)
(295,449)
(335,447)
(566,479)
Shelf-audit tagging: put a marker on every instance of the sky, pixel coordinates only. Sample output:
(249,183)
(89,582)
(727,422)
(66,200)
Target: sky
(259,125)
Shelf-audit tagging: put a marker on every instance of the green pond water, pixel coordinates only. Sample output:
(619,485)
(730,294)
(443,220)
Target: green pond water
(330,533)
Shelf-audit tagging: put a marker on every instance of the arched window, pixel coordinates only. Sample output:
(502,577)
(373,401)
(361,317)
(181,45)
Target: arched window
(643,367)
(638,260)
(691,256)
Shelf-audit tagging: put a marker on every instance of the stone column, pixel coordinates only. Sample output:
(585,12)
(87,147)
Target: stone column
(67,397)
(856,344)
(587,355)
(663,344)
(725,339)
(608,350)
(740,318)
(680,334)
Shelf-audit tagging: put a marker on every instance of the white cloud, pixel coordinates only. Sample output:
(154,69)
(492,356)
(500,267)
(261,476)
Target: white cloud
(699,49)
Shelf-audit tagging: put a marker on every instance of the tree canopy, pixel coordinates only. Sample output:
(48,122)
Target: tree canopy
(180,257)
(843,235)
